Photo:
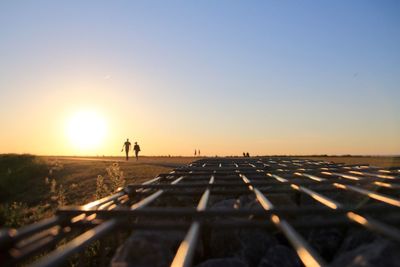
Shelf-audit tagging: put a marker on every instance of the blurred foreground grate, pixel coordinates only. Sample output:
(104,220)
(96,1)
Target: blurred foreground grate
(231,212)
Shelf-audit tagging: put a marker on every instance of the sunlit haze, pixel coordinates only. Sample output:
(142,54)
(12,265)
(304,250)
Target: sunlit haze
(86,130)
(225,77)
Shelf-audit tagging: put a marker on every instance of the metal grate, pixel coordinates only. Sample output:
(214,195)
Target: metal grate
(291,195)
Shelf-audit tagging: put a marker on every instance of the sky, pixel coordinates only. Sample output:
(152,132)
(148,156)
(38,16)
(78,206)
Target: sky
(225,77)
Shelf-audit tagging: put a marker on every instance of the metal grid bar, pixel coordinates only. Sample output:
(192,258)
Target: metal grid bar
(307,255)
(259,177)
(369,223)
(185,251)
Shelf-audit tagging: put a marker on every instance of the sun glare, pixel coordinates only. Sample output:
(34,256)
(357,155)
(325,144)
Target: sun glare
(86,129)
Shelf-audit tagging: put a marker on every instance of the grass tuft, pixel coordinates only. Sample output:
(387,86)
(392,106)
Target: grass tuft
(116,180)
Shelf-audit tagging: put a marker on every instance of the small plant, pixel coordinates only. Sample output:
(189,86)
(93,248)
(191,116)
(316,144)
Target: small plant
(61,200)
(102,189)
(58,192)
(14,214)
(116,180)
(116,176)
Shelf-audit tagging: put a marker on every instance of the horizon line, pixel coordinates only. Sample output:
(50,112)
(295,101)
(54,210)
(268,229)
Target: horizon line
(205,156)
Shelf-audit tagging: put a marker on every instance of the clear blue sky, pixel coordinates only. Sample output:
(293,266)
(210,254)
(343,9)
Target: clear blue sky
(269,77)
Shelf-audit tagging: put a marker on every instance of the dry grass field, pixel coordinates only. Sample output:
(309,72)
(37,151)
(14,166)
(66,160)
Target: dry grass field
(84,171)
(32,187)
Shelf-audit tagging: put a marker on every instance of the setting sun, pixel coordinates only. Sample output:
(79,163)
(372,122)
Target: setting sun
(86,129)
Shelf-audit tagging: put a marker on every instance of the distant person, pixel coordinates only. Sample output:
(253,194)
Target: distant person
(247,154)
(195,152)
(136,147)
(198,152)
(127,146)
(244,154)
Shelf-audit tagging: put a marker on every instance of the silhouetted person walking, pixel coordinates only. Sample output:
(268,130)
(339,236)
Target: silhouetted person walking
(195,152)
(127,146)
(136,147)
